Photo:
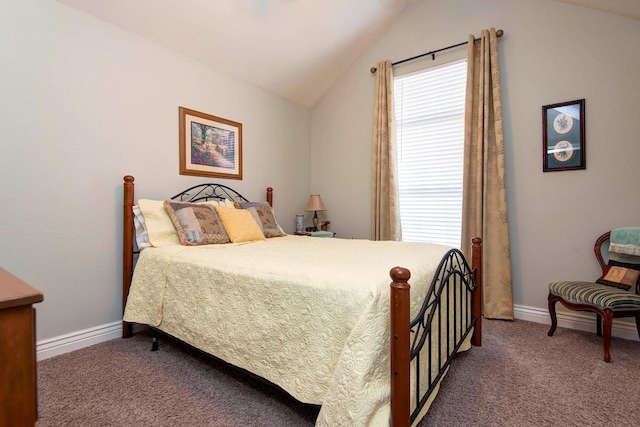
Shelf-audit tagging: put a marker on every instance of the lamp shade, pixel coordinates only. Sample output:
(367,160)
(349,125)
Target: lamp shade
(315,204)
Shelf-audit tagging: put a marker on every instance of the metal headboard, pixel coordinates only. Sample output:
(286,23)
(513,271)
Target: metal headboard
(207,192)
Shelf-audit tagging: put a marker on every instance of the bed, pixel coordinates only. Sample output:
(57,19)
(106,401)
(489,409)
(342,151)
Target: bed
(331,321)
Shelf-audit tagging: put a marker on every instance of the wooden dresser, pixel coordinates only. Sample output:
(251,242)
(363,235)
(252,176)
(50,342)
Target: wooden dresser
(18,393)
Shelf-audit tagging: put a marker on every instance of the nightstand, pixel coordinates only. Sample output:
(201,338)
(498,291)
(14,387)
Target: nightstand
(315,233)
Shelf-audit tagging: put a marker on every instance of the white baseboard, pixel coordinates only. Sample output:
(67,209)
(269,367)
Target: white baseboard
(622,328)
(581,321)
(77,340)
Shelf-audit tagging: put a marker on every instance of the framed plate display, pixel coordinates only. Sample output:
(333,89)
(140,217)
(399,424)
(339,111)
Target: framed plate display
(563,136)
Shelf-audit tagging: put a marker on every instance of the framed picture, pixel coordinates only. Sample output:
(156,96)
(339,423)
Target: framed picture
(563,136)
(209,145)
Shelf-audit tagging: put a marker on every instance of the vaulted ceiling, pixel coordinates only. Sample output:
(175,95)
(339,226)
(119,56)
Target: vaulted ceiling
(293,48)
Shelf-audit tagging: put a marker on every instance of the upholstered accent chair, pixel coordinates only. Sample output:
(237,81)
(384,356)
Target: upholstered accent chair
(615,294)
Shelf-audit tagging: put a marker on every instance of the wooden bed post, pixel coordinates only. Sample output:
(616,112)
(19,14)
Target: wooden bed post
(476,297)
(400,348)
(270,196)
(127,251)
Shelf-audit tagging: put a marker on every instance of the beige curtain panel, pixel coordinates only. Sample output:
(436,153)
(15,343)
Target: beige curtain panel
(385,207)
(484,206)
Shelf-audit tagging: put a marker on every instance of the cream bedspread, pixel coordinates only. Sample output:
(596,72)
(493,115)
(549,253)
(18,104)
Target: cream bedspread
(310,315)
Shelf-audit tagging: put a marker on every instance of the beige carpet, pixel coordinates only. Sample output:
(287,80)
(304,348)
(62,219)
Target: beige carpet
(523,378)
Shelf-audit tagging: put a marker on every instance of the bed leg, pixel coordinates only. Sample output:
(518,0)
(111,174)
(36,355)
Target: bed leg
(154,340)
(476,297)
(127,329)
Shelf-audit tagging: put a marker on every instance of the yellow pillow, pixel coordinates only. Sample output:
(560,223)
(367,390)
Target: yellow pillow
(159,225)
(240,225)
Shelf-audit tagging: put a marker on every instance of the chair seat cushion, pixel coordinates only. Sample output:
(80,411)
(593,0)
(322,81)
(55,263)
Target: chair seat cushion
(597,295)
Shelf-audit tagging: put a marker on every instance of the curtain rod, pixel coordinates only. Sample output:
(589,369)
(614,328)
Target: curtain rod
(499,33)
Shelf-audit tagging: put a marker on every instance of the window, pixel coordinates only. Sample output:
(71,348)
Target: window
(429,107)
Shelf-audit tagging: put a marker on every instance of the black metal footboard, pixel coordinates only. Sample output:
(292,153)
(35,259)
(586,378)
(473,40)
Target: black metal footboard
(444,322)
(450,311)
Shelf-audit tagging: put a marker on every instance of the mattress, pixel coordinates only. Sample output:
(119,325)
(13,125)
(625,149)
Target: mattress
(310,315)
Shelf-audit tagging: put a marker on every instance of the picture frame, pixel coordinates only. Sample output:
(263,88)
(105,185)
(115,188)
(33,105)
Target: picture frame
(563,138)
(209,145)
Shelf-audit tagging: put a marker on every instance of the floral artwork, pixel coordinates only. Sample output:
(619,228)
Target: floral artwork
(209,145)
(212,146)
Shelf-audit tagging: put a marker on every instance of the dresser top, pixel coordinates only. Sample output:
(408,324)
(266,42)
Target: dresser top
(14,292)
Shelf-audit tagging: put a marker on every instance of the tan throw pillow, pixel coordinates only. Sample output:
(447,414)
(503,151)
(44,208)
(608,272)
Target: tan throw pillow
(620,277)
(196,223)
(264,216)
(240,224)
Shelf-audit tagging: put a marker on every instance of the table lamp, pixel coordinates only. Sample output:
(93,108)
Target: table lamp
(315,204)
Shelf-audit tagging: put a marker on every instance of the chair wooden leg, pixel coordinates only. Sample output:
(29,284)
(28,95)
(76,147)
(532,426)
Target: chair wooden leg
(552,312)
(607,323)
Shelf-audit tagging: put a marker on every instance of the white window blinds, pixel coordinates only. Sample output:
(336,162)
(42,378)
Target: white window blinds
(429,109)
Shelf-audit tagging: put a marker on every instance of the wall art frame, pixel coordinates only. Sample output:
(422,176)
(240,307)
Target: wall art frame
(209,145)
(563,137)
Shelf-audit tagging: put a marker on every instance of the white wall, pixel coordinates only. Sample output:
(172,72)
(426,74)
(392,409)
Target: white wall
(551,52)
(84,103)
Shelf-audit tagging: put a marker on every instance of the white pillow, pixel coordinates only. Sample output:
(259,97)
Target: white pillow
(142,236)
(160,228)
